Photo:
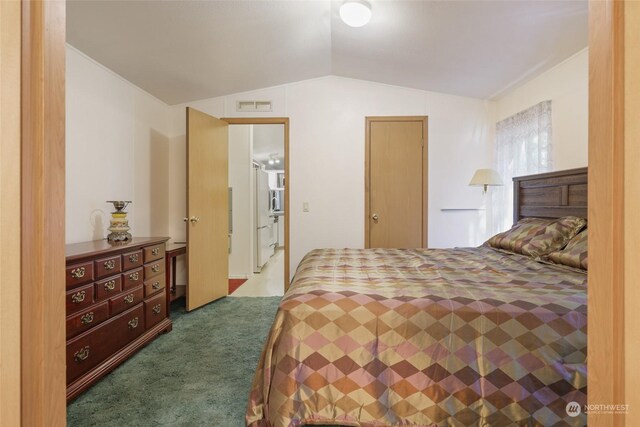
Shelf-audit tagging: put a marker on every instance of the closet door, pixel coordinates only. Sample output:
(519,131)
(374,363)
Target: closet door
(396,182)
(207,208)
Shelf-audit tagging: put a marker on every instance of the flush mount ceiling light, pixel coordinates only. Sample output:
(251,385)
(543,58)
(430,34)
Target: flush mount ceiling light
(273,158)
(355,13)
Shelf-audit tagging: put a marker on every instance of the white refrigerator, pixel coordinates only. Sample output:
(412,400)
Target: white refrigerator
(264,221)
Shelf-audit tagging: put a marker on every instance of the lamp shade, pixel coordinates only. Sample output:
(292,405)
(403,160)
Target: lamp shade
(486,177)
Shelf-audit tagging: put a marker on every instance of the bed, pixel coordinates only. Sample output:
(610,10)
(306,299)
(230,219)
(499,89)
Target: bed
(431,337)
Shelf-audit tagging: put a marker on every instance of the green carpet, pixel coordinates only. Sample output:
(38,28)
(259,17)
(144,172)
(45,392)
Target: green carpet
(197,375)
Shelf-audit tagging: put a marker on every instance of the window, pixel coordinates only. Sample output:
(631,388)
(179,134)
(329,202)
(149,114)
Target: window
(523,147)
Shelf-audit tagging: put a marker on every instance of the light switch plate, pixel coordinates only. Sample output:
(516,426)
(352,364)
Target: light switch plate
(305,207)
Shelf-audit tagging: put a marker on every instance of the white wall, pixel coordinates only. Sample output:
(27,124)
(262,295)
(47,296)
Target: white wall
(567,86)
(122,143)
(327,117)
(116,148)
(240,174)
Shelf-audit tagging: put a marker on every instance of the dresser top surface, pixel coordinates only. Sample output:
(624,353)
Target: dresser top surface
(103,247)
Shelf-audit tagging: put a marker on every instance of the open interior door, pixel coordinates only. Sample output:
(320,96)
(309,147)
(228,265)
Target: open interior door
(207,208)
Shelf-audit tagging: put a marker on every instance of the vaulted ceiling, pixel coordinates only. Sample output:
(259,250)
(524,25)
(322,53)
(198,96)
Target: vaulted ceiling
(185,50)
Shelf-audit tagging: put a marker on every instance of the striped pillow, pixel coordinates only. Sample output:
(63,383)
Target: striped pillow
(536,237)
(574,254)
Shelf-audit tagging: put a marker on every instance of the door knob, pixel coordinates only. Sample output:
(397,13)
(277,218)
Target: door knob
(185,219)
(374,217)
(194,219)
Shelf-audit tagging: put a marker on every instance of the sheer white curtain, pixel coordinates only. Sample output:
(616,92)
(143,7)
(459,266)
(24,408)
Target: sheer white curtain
(523,147)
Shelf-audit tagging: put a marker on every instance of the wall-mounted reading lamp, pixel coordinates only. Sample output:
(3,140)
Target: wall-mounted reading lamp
(486,177)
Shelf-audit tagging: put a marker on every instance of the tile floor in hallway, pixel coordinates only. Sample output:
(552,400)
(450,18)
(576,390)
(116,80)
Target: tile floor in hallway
(269,282)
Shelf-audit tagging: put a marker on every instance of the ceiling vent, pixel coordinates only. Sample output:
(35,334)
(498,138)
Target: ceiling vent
(254,106)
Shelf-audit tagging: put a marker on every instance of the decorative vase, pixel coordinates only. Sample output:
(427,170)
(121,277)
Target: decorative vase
(119,227)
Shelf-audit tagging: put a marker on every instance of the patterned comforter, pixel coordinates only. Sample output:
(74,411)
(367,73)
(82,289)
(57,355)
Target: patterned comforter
(426,337)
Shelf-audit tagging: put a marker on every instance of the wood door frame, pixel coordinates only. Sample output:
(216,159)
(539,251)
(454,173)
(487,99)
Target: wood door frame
(425,171)
(287,211)
(42,385)
(10,352)
(42,215)
(613,318)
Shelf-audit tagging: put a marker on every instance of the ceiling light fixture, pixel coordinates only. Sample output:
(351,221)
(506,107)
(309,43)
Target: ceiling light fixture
(273,158)
(355,13)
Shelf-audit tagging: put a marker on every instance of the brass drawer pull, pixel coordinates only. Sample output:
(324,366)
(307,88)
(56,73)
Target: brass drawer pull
(110,265)
(133,258)
(156,285)
(155,268)
(87,318)
(156,309)
(155,251)
(78,273)
(133,323)
(78,297)
(81,354)
(134,276)
(110,285)
(128,299)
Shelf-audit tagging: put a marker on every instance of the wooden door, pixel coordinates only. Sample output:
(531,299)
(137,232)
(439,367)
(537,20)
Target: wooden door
(207,208)
(396,182)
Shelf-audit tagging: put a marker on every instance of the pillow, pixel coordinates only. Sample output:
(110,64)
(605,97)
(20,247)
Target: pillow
(574,254)
(536,237)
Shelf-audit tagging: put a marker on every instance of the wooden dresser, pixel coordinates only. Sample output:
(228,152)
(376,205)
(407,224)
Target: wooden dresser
(116,303)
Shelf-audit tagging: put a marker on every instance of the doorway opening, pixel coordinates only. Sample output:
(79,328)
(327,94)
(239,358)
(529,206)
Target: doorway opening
(258,207)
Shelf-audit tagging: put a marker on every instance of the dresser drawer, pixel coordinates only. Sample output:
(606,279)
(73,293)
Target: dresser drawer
(152,253)
(79,298)
(155,309)
(92,347)
(125,300)
(153,269)
(132,278)
(131,260)
(87,318)
(106,288)
(79,274)
(154,285)
(107,266)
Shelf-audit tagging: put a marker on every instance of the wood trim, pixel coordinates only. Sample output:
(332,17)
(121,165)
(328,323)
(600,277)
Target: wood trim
(425,182)
(10,218)
(425,171)
(42,217)
(367,187)
(606,379)
(287,188)
(632,207)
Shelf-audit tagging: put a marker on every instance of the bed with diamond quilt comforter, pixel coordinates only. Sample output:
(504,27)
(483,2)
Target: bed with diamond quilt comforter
(424,337)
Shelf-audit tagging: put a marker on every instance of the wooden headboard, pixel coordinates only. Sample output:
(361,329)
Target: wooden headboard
(550,195)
